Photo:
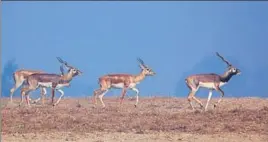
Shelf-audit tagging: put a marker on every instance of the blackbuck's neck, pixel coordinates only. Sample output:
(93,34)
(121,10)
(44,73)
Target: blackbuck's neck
(226,76)
(67,77)
(139,77)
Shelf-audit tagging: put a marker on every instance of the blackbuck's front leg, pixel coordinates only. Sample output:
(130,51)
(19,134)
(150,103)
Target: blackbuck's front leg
(137,95)
(52,95)
(222,94)
(54,85)
(62,94)
(43,95)
(209,97)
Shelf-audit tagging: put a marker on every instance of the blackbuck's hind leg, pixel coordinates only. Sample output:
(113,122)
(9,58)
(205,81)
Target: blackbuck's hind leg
(190,98)
(222,94)
(104,88)
(43,93)
(124,90)
(96,94)
(25,91)
(198,101)
(137,95)
(209,97)
(101,96)
(13,89)
(129,97)
(193,89)
(22,94)
(62,94)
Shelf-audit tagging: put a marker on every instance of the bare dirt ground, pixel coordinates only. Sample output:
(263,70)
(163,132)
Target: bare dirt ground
(155,119)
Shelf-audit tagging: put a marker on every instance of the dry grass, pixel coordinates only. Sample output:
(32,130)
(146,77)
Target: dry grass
(153,115)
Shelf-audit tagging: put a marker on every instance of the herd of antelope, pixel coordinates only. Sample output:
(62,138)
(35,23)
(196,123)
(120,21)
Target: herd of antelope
(32,80)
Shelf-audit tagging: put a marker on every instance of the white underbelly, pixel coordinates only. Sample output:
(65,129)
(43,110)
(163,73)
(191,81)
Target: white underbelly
(210,85)
(45,84)
(121,85)
(49,85)
(61,85)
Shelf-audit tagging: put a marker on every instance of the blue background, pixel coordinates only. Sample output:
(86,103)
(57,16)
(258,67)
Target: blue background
(175,39)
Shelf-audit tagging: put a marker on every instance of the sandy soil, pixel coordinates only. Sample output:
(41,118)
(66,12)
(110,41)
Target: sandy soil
(155,119)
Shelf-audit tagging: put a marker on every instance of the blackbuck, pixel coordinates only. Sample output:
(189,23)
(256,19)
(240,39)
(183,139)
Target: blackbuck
(53,81)
(210,81)
(19,77)
(122,81)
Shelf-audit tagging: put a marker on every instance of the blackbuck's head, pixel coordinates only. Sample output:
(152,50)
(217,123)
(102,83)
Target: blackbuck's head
(71,70)
(231,69)
(145,69)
